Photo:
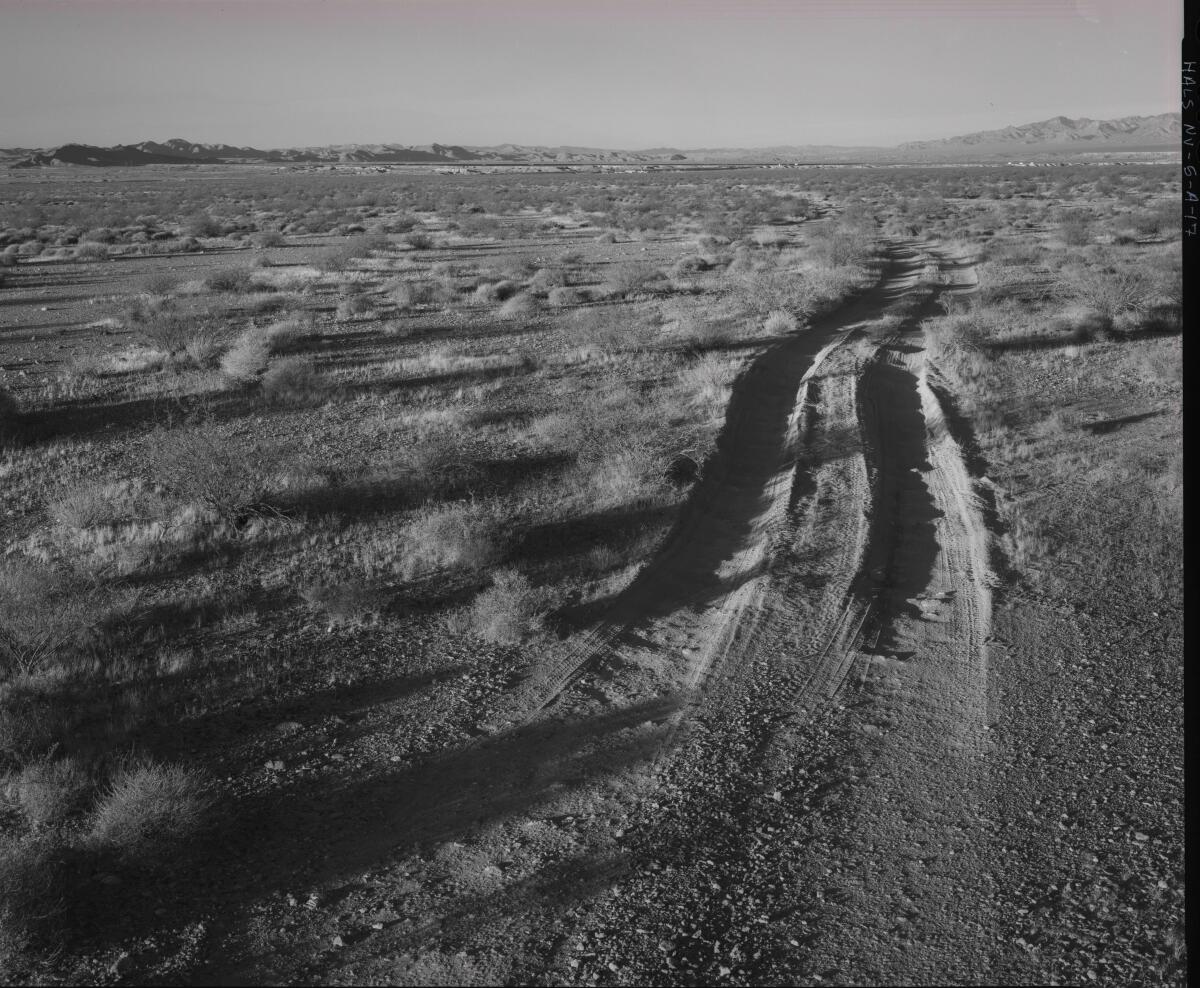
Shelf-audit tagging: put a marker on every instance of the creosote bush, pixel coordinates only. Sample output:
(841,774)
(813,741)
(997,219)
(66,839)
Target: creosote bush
(230,476)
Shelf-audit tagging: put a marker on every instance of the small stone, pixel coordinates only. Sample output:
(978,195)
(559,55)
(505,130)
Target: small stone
(288,727)
(1139,836)
(275,765)
(338,942)
(110,880)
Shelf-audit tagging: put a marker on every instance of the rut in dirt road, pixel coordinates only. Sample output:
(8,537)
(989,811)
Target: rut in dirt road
(686,605)
(804,839)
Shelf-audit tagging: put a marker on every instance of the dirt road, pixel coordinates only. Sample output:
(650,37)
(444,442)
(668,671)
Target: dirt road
(775,736)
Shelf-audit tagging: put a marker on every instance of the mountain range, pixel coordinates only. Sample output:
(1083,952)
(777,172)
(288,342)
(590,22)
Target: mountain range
(1159,132)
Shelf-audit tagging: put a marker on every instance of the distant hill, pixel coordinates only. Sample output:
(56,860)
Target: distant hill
(1057,134)
(1160,130)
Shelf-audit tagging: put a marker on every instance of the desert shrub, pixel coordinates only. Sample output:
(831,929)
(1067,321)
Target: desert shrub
(355,249)
(607,237)
(346,600)
(460,535)
(545,279)
(269,238)
(49,791)
(779,322)
(1076,231)
(288,334)
(709,380)
(45,616)
(204,225)
(1109,293)
(91,252)
(232,477)
(510,610)
(237,279)
(33,885)
(520,306)
(629,277)
(160,284)
(246,360)
(148,810)
(294,382)
(610,329)
(632,474)
(407,294)
(496,291)
(840,246)
(355,307)
(162,327)
(771,238)
(418,240)
(1152,221)
(93,505)
(689,264)
(565,296)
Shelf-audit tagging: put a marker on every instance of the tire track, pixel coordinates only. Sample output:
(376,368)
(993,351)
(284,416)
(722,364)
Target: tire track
(681,615)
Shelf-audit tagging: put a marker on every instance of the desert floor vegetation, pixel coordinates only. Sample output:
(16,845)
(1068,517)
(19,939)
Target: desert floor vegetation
(284,537)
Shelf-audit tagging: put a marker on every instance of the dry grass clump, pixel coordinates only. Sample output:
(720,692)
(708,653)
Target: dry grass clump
(709,380)
(490,292)
(564,296)
(162,326)
(445,360)
(355,307)
(544,279)
(289,333)
(510,610)
(462,535)
(780,322)
(629,475)
(247,359)
(49,792)
(293,383)
(697,326)
(611,329)
(346,601)
(522,306)
(93,505)
(630,277)
(419,240)
(148,810)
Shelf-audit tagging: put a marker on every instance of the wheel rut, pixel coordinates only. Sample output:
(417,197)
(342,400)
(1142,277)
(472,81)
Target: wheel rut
(784,709)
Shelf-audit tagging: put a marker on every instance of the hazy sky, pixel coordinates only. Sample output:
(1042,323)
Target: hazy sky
(609,73)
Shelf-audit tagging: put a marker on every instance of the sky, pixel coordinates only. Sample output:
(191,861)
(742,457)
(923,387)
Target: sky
(624,74)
